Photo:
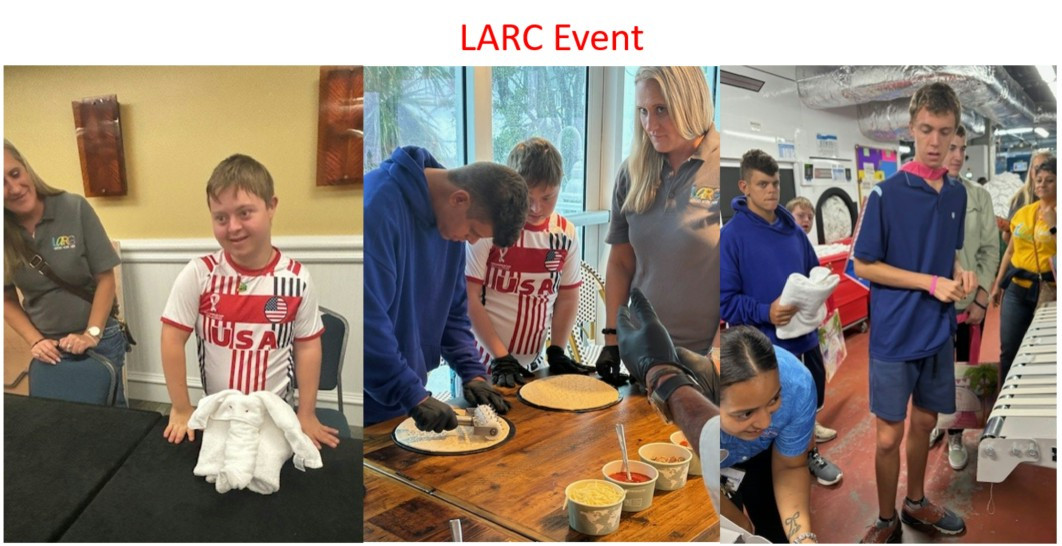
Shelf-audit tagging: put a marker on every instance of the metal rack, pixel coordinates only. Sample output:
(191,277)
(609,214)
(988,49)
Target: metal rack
(1021,427)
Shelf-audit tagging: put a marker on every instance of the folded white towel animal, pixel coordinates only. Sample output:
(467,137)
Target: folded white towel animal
(246,440)
(809,294)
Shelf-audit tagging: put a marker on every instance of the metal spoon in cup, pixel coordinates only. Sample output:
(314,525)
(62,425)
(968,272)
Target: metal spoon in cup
(623,449)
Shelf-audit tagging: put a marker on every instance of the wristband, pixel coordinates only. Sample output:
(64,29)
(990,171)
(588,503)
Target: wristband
(802,536)
(608,331)
(933,287)
(38,341)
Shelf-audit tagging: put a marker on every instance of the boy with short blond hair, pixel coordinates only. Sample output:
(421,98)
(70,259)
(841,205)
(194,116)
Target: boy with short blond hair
(803,212)
(518,294)
(253,310)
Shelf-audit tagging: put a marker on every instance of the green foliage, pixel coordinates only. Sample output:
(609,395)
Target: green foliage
(983,379)
(414,105)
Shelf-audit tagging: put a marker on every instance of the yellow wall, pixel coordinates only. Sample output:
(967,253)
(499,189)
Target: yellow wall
(177,124)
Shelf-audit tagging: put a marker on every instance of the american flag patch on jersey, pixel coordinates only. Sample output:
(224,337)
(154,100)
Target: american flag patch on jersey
(553,260)
(276,309)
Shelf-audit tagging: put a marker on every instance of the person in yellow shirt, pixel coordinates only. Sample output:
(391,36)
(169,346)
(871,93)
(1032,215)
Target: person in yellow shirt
(1027,265)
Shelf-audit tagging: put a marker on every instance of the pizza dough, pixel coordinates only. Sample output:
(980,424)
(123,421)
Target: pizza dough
(459,440)
(571,392)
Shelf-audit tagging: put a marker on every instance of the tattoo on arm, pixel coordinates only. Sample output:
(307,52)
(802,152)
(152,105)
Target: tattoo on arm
(792,527)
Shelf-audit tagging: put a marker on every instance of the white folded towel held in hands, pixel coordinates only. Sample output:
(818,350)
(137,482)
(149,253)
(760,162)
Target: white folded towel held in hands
(809,294)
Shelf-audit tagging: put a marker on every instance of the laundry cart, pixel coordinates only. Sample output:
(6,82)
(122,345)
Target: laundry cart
(1021,426)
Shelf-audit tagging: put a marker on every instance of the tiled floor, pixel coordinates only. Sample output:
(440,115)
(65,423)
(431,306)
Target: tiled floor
(1021,509)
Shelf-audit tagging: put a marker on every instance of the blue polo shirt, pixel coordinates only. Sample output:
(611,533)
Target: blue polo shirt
(909,225)
(791,425)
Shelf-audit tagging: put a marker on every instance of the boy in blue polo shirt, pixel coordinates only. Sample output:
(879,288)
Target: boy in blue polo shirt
(912,228)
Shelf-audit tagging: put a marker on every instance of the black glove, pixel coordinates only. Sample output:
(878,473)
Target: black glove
(559,363)
(647,344)
(506,371)
(479,392)
(434,415)
(608,366)
(702,370)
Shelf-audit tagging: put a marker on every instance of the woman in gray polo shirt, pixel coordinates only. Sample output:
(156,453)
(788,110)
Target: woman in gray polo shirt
(664,231)
(61,228)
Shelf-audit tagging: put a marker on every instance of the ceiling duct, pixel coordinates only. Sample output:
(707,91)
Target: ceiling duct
(888,121)
(988,90)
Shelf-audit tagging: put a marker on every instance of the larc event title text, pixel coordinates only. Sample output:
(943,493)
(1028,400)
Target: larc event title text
(508,37)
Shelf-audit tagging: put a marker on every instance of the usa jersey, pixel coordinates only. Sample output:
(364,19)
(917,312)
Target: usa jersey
(246,323)
(520,284)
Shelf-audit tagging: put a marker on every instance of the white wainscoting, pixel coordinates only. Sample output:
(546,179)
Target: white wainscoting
(149,267)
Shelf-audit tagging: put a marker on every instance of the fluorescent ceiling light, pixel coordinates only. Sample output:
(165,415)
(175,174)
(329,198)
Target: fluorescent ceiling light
(1016,131)
(737,80)
(1049,76)
(751,136)
(1041,132)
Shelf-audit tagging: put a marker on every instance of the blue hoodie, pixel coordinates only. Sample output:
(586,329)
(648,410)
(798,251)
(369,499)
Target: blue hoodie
(416,306)
(756,259)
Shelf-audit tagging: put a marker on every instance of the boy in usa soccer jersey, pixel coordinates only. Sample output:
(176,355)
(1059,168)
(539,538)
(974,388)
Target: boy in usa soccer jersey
(515,293)
(253,309)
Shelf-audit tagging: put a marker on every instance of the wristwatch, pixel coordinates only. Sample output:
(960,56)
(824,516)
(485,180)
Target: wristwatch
(93,331)
(658,398)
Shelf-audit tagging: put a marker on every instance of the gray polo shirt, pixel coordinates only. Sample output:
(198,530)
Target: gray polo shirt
(676,245)
(72,239)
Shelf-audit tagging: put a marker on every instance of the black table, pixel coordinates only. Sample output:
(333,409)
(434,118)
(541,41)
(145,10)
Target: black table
(149,493)
(57,456)
(154,497)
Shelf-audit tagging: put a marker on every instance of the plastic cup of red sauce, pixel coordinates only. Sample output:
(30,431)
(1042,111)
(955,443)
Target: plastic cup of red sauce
(640,490)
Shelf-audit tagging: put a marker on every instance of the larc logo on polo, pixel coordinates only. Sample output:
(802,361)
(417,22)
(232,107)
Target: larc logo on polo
(64,242)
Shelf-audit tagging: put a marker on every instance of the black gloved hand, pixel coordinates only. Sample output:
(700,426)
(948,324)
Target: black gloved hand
(559,363)
(646,344)
(479,392)
(434,415)
(608,366)
(506,371)
(701,369)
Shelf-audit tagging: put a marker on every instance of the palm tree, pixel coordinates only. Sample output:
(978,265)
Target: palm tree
(408,105)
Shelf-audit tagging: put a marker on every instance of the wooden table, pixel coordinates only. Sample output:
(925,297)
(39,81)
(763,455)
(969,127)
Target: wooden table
(395,511)
(520,484)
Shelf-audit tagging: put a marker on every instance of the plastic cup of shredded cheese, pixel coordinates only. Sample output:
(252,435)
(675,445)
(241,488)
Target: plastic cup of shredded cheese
(678,438)
(670,460)
(640,492)
(594,506)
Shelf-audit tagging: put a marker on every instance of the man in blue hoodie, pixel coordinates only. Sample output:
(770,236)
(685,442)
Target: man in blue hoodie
(759,248)
(418,217)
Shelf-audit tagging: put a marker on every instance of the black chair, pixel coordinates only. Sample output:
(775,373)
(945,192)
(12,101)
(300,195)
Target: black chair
(333,348)
(90,379)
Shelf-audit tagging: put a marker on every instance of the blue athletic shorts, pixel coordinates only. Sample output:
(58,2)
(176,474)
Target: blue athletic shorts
(931,380)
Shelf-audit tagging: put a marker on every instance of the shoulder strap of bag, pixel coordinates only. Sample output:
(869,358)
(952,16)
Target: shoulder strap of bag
(41,265)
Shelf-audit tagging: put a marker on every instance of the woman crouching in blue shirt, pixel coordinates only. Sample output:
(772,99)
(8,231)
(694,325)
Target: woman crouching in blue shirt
(767,416)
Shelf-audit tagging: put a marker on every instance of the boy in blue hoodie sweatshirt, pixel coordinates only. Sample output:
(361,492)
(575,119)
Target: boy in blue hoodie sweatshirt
(418,217)
(759,248)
